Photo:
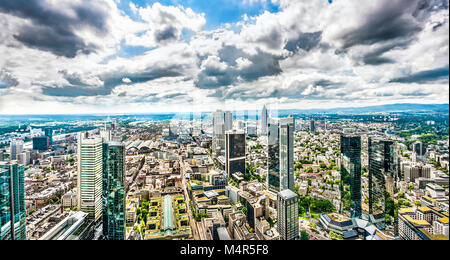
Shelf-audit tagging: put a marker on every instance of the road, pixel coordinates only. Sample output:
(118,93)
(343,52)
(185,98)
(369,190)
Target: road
(188,202)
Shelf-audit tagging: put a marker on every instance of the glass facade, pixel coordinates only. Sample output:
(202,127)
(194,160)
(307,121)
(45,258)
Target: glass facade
(12,202)
(287,153)
(351,172)
(382,171)
(273,154)
(235,152)
(287,224)
(114,191)
(40,143)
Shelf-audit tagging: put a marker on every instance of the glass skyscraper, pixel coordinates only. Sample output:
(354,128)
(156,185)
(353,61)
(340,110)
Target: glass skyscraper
(382,171)
(12,202)
(287,128)
(287,224)
(114,190)
(273,155)
(351,172)
(235,152)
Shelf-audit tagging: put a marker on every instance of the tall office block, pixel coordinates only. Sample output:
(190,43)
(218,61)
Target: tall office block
(40,143)
(312,126)
(280,151)
(287,224)
(114,190)
(49,133)
(228,121)
(16,147)
(235,152)
(218,142)
(12,202)
(287,128)
(351,171)
(273,155)
(382,169)
(263,122)
(90,176)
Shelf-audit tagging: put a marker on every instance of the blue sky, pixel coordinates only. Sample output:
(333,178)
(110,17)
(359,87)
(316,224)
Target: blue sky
(217,12)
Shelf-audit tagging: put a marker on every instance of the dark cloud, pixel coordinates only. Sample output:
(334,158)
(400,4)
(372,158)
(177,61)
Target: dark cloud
(79,88)
(272,40)
(305,41)
(391,20)
(54,30)
(168,34)
(375,57)
(424,76)
(261,64)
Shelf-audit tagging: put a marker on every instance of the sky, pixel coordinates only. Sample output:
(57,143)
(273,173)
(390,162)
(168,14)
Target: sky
(142,56)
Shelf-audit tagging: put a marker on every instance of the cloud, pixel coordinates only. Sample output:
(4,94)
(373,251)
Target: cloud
(56,29)
(424,76)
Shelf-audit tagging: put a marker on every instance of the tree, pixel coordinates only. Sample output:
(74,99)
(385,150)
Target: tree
(304,235)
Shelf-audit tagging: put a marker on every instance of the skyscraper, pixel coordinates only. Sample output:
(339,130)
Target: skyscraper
(280,150)
(41,143)
(287,128)
(49,134)
(382,170)
(235,152)
(351,171)
(273,155)
(263,122)
(228,121)
(113,190)
(218,142)
(287,224)
(312,126)
(90,176)
(16,147)
(12,202)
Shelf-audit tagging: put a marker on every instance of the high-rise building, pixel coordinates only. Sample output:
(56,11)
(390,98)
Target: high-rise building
(419,149)
(312,126)
(263,122)
(49,133)
(218,142)
(228,121)
(273,155)
(90,176)
(286,132)
(114,190)
(351,172)
(1,155)
(12,201)
(280,151)
(235,152)
(287,224)
(382,170)
(16,147)
(40,143)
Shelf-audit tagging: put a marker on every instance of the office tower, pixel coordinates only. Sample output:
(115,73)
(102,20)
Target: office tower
(312,126)
(16,147)
(235,152)
(106,135)
(40,143)
(263,122)
(273,155)
(351,171)
(228,121)
(287,224)
(12,201)
(419,149)
(382,169)
(218,143)
(286,132)
(90,176)
(114,190)
(49,133)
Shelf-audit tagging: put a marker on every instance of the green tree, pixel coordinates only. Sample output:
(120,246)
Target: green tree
(304,235)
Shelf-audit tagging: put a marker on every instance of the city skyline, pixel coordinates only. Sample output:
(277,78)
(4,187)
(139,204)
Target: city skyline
(156,56)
